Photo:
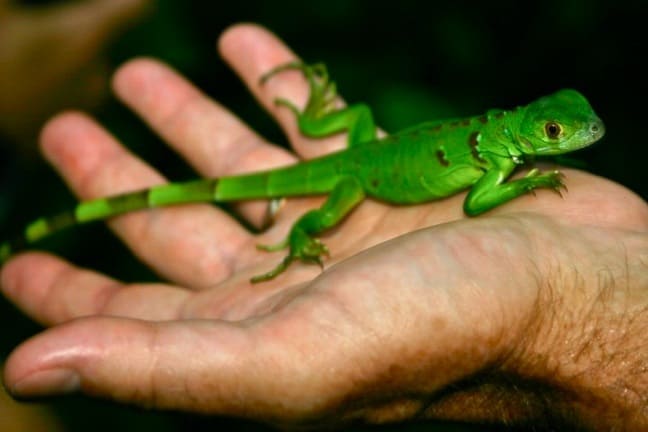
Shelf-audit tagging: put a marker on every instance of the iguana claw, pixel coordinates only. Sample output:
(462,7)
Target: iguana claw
(322,91)
(302,247)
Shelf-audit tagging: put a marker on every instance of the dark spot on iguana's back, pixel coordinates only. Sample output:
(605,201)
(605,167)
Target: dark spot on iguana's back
(473,142)
(441,156)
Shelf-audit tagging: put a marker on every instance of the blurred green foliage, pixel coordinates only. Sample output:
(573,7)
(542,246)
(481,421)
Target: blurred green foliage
(410,60)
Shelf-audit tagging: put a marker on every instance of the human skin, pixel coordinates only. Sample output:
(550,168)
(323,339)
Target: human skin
(535,311)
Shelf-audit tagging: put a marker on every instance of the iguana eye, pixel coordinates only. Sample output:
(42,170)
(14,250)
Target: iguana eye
(553,129)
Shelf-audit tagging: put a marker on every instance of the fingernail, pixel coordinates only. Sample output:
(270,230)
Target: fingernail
(47,383)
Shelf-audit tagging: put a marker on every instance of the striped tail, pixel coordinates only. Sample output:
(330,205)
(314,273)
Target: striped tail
(318,176)
(103,208)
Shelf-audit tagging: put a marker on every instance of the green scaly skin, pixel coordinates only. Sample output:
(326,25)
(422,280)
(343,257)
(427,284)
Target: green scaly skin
(427,162)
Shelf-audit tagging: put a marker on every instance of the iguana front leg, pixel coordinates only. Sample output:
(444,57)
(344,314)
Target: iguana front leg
(346,194)
(320,117)
(492,190)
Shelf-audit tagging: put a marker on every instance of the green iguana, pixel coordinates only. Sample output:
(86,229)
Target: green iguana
(426,162)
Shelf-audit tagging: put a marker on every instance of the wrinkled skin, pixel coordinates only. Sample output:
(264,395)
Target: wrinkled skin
(536,309)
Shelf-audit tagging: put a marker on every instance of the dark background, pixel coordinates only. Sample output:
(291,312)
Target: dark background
(410,61)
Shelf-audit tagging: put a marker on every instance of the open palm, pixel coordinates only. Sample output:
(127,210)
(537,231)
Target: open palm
(382,329)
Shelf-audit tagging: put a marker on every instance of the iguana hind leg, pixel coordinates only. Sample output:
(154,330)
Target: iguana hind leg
(320,117)
(346,194)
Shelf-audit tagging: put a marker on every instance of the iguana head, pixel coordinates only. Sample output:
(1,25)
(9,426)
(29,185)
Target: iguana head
(559,123)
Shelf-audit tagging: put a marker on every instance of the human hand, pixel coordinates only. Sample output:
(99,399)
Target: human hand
(452,321)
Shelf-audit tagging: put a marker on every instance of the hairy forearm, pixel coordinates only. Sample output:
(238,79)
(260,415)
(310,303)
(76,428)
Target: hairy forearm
(604,375)
(598,380)
(579,360)
(588,346)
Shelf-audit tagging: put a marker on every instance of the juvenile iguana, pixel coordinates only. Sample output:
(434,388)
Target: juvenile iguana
(426,162)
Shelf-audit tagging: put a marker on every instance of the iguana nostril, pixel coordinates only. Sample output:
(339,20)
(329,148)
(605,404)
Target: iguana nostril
(597,128)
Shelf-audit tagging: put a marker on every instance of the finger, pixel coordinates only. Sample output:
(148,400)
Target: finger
(198,366)
(59,292)
(194,245)
(208,136)
(252,51)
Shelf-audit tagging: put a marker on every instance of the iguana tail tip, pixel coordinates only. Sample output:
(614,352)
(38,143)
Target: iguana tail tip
(5,252)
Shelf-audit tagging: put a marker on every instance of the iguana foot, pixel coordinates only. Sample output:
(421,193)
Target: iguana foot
(550,180)
(302,247)
(322,91)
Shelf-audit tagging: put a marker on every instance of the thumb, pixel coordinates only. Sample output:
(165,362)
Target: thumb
(194,366)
